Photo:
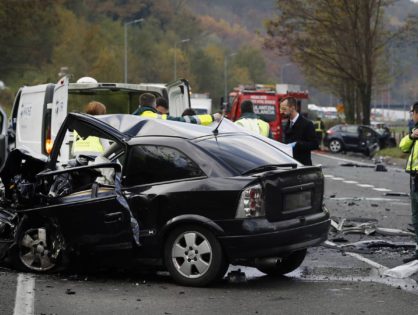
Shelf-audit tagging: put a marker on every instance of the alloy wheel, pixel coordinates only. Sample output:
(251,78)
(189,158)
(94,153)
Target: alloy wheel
(192,254)
(36,252)
(335,146)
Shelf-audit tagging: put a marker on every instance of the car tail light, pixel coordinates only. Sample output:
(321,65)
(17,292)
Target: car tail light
(251,203)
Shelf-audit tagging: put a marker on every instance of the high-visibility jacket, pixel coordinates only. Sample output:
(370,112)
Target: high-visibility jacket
(89,146)
(409,145)
(149,112)
(252,122)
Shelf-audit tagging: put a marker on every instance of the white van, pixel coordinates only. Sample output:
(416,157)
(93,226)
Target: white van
(39,111)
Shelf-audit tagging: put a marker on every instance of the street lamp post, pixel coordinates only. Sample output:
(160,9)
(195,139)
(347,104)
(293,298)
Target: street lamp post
(185,40)
(126,45)
(282,70)
(226,76)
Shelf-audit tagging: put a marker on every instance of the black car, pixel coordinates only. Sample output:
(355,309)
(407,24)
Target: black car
(193,197)
(352,138)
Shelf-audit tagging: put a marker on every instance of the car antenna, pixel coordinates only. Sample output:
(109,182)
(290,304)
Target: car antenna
(215,131)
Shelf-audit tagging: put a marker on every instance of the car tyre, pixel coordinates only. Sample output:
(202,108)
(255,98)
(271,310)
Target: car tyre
(194,257)
(335,146)
(39,248)
(285,265)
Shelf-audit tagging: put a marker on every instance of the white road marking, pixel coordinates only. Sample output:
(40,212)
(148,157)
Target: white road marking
(381,189)
(350,182)
(365,185)
(25,295)
(328,176)
(337,178)
(380,268)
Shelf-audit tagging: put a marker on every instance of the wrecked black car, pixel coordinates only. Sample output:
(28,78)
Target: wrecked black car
(194,198)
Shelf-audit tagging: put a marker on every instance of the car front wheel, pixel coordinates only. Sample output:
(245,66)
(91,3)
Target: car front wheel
(285,265)
(193,256)
(40,247)
(335,146)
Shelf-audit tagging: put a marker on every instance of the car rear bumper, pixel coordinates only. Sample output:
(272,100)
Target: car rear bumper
(260,238)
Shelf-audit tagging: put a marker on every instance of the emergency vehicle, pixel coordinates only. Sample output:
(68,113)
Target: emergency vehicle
(266,100)
(38,111)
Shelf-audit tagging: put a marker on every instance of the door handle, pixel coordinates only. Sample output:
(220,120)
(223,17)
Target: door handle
(113,217)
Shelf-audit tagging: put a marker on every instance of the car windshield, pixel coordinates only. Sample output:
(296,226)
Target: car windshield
(243,153)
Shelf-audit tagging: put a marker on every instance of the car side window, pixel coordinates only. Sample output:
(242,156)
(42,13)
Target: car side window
(350,129)
(152,164)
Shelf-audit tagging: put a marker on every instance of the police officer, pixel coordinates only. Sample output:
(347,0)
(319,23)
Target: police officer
(91,146)
(409,144)
(249,120)
(146,108)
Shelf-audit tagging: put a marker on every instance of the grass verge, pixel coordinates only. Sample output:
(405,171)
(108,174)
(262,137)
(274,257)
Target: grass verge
(393,153)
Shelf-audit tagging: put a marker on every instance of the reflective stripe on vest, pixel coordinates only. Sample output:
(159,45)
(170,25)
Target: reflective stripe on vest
(89,145)
(408,145)
(317,126)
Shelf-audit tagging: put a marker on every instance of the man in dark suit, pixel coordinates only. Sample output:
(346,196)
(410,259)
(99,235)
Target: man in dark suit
(299,132)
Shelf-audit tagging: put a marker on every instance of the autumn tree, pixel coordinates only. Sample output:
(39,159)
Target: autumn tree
(338,44)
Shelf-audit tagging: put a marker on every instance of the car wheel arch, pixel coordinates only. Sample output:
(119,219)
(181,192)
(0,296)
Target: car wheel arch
(190,219)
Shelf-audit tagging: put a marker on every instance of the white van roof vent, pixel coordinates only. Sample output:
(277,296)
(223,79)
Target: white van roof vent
(86,80)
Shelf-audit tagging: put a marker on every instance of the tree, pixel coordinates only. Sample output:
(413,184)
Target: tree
(338,44)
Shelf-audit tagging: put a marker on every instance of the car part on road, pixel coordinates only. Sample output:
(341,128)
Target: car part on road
(403,271)
(400,194)
(356,165)
(282,265)
(367,228)
(193,256)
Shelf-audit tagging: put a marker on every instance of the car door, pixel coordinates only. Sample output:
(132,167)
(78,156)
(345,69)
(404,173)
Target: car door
(58,114)
(178,94)
(96,216)
(3,138)
(350,135)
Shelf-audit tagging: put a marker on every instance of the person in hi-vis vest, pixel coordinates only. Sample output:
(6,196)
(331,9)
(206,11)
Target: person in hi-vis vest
(249,120)
(91,146)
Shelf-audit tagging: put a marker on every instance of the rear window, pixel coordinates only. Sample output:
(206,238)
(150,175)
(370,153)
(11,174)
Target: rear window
(243,152)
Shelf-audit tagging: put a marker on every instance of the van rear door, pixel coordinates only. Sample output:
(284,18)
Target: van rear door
(58,115)
(3,138)
(178,97)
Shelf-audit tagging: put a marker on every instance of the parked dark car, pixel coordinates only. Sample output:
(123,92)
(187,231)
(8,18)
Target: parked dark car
(194,198)
(352,138)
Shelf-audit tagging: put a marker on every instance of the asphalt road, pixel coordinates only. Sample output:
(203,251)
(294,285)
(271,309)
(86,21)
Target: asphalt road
(330,281)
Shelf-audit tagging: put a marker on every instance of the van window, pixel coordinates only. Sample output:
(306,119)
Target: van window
(152,164)
(116,101)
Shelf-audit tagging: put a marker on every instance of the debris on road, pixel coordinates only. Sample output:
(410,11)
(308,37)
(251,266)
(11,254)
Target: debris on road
(398,194)
(70,292)
(350,164)
(403,271)
(236,276)
(380,168)
(367,228)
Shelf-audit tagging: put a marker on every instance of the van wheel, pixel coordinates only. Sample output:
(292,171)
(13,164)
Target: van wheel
(40,247)
(286,265)
(193,256)
(335,146)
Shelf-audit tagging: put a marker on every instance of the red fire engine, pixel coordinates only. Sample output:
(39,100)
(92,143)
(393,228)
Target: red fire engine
(266,100)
